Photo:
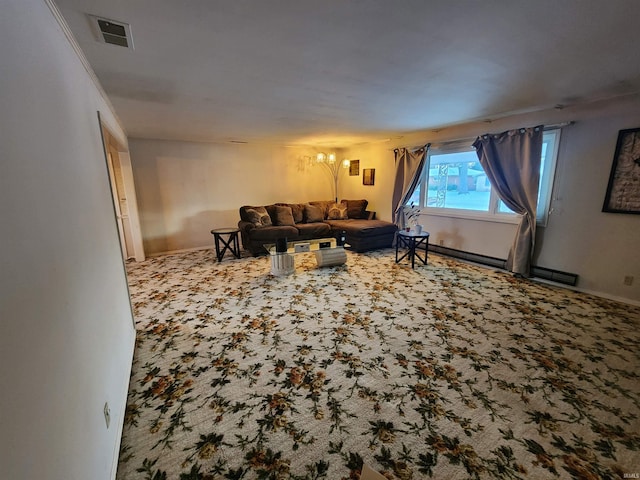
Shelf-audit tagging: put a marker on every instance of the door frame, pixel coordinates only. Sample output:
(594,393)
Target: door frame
(114,152)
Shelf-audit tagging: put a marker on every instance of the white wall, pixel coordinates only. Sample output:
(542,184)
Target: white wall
(185,189)
(600,247)
(379,194)
(67,334)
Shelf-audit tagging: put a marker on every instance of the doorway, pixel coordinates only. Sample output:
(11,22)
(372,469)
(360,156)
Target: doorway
(124,197)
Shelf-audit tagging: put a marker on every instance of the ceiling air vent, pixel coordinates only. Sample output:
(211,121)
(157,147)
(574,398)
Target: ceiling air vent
(112,31)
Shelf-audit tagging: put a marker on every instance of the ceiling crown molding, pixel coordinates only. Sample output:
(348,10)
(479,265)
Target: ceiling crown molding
(83,59)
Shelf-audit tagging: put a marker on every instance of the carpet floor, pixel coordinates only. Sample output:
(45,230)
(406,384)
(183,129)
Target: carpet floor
(448,371)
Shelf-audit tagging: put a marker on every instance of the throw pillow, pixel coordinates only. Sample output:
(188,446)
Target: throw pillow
(337,211)
(258,216)
(297,209)
(356,208)
(324,206)
(284,216)
(253,216)
(313,213)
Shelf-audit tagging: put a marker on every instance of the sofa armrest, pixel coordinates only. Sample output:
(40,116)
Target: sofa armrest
(370,215)
(245,226)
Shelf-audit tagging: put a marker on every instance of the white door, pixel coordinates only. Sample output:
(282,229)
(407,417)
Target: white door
(128,206)
(124,198)
(116,203)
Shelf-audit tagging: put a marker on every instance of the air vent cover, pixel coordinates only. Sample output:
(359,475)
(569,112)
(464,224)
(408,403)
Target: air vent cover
(112,31)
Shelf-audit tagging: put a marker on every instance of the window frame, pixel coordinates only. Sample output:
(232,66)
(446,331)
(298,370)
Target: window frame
(493,214)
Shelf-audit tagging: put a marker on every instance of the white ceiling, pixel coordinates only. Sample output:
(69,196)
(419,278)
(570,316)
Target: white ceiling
(341,72)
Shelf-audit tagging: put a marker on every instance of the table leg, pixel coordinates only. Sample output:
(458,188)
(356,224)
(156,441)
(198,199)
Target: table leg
(236,245)
(410,245)
(412,249)
(282,264)
(219,255)
(426,250)
(230,244)
(406,245)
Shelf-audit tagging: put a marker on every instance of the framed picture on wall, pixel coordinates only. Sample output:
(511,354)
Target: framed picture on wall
(623,190)
(354,168)
(368,176)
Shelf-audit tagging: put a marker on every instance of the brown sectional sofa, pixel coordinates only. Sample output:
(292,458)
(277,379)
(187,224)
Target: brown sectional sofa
(260,225)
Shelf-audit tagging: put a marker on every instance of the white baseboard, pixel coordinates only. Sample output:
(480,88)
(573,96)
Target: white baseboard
(183,250)
(615,298)
(122,413)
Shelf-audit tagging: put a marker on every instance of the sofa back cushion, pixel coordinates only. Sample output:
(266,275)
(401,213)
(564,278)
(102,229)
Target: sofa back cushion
(324,206)
(256,215)
(297,210)
(284,215)
(356,208)
(313,213)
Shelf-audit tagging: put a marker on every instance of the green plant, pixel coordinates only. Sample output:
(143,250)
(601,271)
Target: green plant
(412,214)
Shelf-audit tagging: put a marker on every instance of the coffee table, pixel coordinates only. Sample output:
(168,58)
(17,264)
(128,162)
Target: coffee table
(326,250)
(410,241)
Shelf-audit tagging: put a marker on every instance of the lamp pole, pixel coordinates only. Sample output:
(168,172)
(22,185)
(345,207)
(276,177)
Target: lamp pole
(333,167)
(333,170)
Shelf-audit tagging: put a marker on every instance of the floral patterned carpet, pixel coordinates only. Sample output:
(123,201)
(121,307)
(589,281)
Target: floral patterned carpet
(448,371)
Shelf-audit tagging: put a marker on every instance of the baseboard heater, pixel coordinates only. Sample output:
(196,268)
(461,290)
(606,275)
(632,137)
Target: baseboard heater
(539,272)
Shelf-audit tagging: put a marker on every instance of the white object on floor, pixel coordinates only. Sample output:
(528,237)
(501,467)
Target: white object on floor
(331,256)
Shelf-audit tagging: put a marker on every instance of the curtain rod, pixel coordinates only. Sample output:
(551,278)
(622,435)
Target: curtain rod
(416,148)
(552,126)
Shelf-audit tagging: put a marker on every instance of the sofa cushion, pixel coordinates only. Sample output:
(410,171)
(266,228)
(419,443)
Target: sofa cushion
(253,216)
(313,213)
(337,211)
(270,234)
(356,208)
(313,230)
(258,216)
(324,205)
(271,210)
(297,210)
(363,228)
(284,215)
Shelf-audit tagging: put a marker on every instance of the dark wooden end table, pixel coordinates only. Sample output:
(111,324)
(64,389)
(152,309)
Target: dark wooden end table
(410,241)
(229,244)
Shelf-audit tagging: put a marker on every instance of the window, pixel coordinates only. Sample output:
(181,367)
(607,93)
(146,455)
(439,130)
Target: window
(454,184)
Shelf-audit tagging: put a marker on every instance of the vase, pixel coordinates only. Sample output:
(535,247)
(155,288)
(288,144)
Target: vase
(417,229)
(281,245)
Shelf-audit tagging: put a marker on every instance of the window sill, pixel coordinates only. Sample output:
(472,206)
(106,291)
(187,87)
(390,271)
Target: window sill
(470,215)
